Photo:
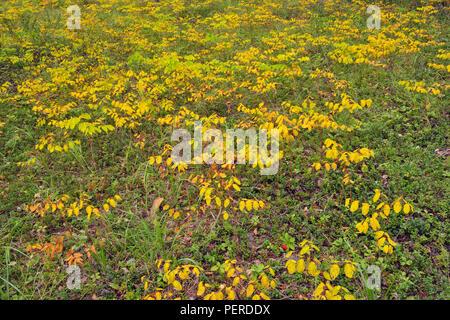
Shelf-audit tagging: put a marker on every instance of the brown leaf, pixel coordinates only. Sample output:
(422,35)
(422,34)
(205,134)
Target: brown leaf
(155,206)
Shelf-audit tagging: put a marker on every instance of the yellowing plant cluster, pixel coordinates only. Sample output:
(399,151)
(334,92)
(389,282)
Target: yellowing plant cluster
(235,282)
(305,262)
(382,210)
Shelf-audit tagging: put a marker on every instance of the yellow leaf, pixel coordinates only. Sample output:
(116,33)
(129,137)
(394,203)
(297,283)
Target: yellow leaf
(242,205)
(354,206)
(248,205)
(265,281)
(392,243)
(379,234)
(347,202)
(177,285)
(112,202)
(374,223)
(273,284)
(304,250)
(171,276)
(349,270)
(256,297)
(319,289)
(386,209)
(201,289)
(231,295)
(290,265)
(406,208)
(226,203)
(312,269)
(377,195)
(225,215)
(300,265)
(264,296)
(334,271)
(250,290)
(397,206)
